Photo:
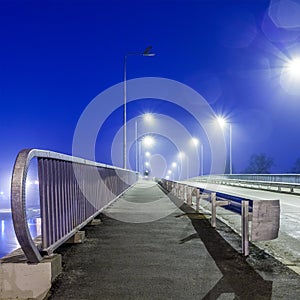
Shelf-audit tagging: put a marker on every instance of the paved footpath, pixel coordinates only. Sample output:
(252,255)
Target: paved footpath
(148,248)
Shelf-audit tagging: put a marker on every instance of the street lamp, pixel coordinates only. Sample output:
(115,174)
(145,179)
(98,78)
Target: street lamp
(148,141)
(293,68)
(148,117)
(145,53)
(195,141)
(223,122)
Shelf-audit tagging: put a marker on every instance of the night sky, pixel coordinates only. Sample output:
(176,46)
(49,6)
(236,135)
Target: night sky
(57,56)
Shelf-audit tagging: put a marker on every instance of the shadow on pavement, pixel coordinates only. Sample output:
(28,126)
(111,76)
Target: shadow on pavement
(238,276)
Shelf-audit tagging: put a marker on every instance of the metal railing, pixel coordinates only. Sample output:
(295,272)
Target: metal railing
(72,192)
(264,215)
(287,178)
(284,183)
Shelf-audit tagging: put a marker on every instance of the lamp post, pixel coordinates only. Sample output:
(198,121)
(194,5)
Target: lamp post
(181,156)
(145,53)
(175,167)
(196,142)
(223,122)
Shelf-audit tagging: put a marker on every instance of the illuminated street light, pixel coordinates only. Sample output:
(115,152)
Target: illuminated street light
(148,141)
(148,117)
(146,52)
(181,154)
(169,172)
(147,164)
(223,122)
(195,141)
(145,142)
(293,68)
(174,164)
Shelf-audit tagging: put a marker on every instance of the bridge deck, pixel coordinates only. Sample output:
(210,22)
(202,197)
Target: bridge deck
(148,248)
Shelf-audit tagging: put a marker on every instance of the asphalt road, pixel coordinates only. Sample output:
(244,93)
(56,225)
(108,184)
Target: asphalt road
(158,248)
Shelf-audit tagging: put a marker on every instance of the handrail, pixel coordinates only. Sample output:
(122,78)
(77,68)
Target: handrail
(287,178)
(72,192)
(264,214)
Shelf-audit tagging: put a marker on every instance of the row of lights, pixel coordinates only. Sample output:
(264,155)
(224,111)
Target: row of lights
(292,68)
(148,140)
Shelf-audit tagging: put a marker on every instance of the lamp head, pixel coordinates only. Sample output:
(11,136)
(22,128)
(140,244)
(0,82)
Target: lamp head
(222,121)
(147,52)
(293,68)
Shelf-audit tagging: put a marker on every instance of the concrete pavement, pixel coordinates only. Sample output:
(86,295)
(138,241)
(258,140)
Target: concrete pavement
(151,249)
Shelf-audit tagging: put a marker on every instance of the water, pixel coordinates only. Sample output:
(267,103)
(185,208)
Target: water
(8,239)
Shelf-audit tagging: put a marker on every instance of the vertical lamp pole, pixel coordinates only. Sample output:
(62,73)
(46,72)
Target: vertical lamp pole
(230,148)
(223,122)
(136,146)
(196,142)
(145,53)
(201,158)
(125,116)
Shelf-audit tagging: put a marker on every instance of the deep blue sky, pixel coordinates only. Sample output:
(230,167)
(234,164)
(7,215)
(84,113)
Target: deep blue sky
(56,56)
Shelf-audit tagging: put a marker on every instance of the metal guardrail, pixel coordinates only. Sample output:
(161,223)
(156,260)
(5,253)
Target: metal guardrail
(264,215)
(284,183)
(72,192)
(283,178)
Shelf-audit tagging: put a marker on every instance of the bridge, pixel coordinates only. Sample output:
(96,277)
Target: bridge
(146,239)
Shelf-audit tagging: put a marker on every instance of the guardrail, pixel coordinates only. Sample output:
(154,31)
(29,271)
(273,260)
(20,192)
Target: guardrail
(264,215)
(72,192)
(289,183)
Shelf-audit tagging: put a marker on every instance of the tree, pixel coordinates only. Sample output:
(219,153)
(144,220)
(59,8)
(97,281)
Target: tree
(296,168)
(259,164)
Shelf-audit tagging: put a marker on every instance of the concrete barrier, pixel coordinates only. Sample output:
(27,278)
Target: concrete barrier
(21,280)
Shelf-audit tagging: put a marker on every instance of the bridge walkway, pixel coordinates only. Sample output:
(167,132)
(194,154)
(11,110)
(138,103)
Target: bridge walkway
(147,247)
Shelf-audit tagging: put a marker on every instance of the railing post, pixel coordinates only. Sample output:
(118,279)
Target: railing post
(245,228)
(197,200)
(191,194)
(188,196)
(177,190)
(213,200)
(182,193)
(173,189)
